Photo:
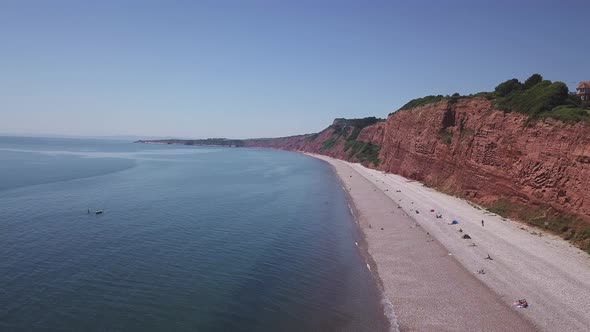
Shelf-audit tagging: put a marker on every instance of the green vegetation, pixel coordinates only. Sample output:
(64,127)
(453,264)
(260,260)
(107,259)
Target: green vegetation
(348,130)
(358,123)
(422,101)
(536,98)
(567,113)
(501,207)
(532,81)
(569,227)
(199,142)
(484,94)
(540,98)
(329,144)
(363,151)
(508,87)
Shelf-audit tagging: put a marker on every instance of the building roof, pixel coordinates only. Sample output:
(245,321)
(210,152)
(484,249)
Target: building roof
(584,85)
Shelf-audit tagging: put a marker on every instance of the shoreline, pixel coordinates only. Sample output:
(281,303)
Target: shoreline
(430,283)
(387,310)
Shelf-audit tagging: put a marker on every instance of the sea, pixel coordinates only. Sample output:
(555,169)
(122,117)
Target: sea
(189,239)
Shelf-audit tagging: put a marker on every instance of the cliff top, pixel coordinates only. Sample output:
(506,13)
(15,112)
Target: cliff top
(536,98)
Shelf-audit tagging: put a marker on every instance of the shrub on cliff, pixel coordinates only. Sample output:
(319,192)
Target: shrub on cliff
(357,125)
(568,113)
(505,88)
(422,101)
(363,151)
(542,97)
(537,98)
(532,81)
(328,144)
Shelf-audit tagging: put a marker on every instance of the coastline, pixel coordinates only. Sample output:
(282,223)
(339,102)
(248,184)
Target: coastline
(387,310)
(427,274)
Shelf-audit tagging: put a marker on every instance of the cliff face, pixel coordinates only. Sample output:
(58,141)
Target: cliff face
(536,171)
(345,139)
(475,151)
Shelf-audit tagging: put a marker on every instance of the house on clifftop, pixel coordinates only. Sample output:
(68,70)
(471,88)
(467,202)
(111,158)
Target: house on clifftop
(583,90)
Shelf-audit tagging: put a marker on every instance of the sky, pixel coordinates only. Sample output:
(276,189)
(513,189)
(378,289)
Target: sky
(242,69)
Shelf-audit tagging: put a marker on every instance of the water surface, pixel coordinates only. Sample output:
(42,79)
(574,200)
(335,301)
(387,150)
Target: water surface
(192,239)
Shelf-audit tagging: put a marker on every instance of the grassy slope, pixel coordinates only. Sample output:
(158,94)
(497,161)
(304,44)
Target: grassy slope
(347,131)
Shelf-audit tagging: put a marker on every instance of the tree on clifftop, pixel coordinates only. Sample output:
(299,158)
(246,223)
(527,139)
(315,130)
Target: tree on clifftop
(532,81)
(505,88)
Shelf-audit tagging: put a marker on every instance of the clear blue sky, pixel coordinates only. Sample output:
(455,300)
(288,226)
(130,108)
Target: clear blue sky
(265,68)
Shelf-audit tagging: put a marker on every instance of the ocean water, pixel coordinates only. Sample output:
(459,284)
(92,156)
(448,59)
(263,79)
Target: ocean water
(191,239)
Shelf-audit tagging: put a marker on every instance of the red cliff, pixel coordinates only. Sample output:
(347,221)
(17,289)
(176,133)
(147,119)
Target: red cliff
(347,139)
(537,171)
(473,150)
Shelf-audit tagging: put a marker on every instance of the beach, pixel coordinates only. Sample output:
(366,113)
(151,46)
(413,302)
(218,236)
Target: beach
(437,280)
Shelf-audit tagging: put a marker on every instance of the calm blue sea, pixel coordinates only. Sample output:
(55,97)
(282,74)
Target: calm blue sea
(191,239)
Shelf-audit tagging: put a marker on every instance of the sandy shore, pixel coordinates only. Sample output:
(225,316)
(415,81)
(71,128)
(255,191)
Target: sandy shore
(429,273)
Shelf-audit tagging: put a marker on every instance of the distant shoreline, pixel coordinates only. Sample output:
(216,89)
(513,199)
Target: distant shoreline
(218,142)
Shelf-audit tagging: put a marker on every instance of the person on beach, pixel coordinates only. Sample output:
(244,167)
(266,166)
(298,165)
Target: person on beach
(482,223)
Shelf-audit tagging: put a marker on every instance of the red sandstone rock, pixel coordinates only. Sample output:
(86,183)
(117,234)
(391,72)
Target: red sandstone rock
(471,149)
(373,134)
(491,154)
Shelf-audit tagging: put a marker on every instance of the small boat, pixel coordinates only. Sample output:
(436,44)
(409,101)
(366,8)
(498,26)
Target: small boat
(98,212)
